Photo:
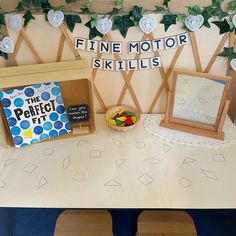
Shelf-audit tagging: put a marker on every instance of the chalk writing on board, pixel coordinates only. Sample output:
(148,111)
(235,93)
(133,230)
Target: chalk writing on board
(78,113)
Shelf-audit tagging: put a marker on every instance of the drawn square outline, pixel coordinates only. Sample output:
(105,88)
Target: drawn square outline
(95,154)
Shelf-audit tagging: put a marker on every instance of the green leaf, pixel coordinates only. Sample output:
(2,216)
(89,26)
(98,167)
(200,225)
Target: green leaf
(166,3)
(2,20)
(232,5)
(87,9)
(168,20)
(28,3)
(137,13)
(28,17)
(93,32)
(93,23)
(76,19)
(220,13)
(207,14)
(160,9)
(46,6)
(122,23)
(119,2)
(3,54)
(89,6)
(70,1)
(230,23)
(224,26)
(194,10)
(70,23)
(71,20)
(58,8)
(217,2)
(94,18)
(20,7)
(114,11)
(84,9)
(228,52)
(181,17)
(216,10)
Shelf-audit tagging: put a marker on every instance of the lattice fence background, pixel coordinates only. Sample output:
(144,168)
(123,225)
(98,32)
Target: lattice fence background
(146,89)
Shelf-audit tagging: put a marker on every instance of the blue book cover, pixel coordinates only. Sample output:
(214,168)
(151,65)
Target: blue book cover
(35,113)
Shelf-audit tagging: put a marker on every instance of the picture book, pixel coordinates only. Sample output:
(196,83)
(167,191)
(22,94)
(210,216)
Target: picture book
(35,113)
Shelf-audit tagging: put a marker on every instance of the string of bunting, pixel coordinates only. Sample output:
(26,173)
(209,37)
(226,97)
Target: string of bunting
(119,19)
(136,47)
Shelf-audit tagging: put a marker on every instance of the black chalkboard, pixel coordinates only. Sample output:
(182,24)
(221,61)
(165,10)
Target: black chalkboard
(78,113)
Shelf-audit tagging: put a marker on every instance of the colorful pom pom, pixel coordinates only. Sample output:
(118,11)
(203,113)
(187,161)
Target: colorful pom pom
(123,118)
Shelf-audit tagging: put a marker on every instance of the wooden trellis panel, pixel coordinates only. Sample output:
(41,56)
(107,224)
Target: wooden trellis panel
(66,37)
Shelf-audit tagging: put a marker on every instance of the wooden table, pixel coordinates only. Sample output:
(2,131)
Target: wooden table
(117,170)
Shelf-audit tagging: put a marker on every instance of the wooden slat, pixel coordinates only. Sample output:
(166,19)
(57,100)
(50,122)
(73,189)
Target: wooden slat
(195,52)
(130,75)
(60,48)
(231,44)
(168,104)
(127,81)
(167,76)
(231,39)
(161,69)
(223,116)
(216,53)
(94,73)
(84,223)
(100,100)
(168,223)
(69,42)
(17,45)
(31,46)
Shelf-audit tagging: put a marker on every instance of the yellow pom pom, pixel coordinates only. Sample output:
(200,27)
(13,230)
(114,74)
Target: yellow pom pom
(134,119)
(121,111)
(112,122)
(121,118)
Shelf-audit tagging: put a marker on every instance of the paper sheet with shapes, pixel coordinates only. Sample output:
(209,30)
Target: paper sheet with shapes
(117,170)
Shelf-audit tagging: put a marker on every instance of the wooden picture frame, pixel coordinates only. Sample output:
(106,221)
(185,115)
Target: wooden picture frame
(74,79)
(196,127)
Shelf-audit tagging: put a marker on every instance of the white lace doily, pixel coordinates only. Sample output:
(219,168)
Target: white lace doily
(151,125)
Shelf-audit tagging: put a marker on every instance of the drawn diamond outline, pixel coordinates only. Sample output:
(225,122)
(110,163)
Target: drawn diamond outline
(66,162)
(145,179)
(209,174)
(153,161)
(29,168)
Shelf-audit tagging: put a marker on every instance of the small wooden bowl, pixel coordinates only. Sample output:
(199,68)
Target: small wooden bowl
(114,109)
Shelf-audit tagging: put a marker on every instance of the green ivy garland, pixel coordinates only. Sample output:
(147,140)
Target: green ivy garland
(123,20)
